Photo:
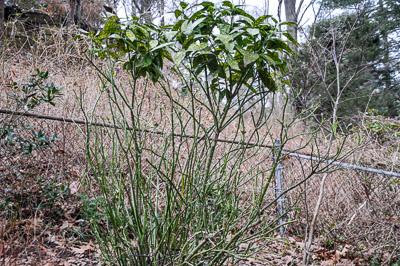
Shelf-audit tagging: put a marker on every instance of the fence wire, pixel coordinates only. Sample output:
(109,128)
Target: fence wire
(287,152)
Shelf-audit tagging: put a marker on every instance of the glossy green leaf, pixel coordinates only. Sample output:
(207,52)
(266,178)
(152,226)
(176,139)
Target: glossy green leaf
(187,29)
(183,5)
(227,41)
(197,46)
(170,35)
(161,46)
(178,57)
(153,43)
(249,57)
(253,31)
(266,79)
(289,23)
(290,38)
(178,13)
(234,64)
(227,4)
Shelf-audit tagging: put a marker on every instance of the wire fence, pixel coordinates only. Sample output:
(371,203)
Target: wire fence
(290,153)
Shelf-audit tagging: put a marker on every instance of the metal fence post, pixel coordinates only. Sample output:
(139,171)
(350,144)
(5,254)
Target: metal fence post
(280,202)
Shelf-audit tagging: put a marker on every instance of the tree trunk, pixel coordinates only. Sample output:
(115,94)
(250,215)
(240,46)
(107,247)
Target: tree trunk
(146,10)
(74,12)
(162,11)
(133,8)
(385,42)
(1,18)
(291,16)
(143,8)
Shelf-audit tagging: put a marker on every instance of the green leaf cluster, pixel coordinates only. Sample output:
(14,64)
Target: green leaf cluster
(223,42)
(27,142)
(230,45)
(23,137)
(36,92)
(139,46)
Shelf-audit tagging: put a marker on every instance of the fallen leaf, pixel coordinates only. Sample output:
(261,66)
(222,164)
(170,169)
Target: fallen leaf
(74,187)
(84,248)
(65,225)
